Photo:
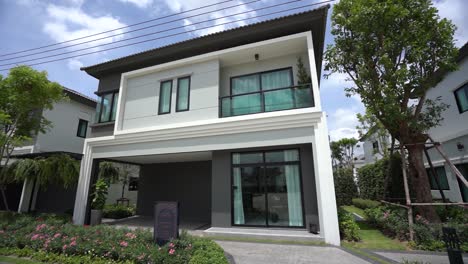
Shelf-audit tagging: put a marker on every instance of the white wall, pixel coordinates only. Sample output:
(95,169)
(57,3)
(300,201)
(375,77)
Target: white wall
(62,136)
(259,66)
(454,123)
(142,98)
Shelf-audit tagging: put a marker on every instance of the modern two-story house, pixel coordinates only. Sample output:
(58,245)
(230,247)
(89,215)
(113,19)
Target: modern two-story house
(452,132)
(222,124)
(70,126)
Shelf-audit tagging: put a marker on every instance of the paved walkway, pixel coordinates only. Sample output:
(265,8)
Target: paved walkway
(422,257)
(262,253)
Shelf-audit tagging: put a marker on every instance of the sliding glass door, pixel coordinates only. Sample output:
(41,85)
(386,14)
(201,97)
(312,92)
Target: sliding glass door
(267,189)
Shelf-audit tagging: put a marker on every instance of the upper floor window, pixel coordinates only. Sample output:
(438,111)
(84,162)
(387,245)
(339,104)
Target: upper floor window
(165,93)
(107,107)
(183,94)
(265,92)
(82,128)
(441,178)
(375,146)
(461,96)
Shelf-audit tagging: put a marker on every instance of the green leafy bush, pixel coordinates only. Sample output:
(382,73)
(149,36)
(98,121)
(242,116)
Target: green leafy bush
(345,187)
(118,211)
(349,230)
(365,204)
(51,239)
(99,194)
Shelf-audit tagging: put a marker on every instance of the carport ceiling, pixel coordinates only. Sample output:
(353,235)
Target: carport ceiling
(167,158)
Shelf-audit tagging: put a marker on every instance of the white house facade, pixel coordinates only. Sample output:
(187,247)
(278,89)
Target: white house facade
(222,124)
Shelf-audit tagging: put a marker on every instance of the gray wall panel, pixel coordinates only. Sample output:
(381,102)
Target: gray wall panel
(186,182)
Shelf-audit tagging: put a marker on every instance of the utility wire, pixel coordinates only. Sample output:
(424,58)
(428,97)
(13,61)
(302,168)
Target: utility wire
(126,32)
(171,35)
(111,30)
(148,34)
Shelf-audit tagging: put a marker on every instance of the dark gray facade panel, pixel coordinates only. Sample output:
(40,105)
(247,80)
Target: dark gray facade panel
(55,199)
(221,185)
(101,131)
(109,83)
(189,183)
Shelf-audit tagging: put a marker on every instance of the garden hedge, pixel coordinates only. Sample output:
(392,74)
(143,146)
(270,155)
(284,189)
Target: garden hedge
(345,187)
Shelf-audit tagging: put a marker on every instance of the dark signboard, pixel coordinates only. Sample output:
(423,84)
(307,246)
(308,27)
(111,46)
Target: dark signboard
(166,222)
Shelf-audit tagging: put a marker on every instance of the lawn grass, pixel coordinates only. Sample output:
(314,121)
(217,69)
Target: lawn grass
(14,260)
(354,209)
(372,238)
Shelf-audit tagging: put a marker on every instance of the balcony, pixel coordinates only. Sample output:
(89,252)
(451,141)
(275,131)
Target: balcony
(285,98)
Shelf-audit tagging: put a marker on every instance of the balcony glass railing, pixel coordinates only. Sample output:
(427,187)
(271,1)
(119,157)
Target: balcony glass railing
(299,96)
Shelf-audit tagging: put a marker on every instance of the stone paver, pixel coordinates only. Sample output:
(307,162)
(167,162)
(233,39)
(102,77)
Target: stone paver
(262,253)
(423,258)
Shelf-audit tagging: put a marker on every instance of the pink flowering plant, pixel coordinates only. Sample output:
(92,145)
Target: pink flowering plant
(60,237)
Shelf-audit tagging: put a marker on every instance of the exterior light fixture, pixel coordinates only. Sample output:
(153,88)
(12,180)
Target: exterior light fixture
(460,146)
(257,57)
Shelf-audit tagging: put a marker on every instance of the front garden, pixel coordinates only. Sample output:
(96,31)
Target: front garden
(54,239)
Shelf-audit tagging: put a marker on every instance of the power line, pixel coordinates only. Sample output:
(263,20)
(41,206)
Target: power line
(126,32)
(175,34)
(111,30)
(148,34)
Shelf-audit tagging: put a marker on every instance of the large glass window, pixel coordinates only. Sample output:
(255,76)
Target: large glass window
(461,96)
(441,178)
(183,94)
(463,168)
(165,93)
(106,107)
(264,92)
(267,189)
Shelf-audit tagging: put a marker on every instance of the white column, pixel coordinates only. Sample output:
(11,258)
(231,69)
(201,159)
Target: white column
(26,193)
(327,211)
(82,191)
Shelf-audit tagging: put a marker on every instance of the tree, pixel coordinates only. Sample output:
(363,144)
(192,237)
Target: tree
(371,126)
(24,94)
(343,152)
(392,50)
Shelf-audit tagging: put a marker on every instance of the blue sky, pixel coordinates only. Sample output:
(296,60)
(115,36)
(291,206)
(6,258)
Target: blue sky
(26,24)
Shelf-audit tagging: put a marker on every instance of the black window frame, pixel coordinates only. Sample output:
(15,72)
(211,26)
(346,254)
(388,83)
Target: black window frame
(429,174)
(264,164)
(80,122)
(101,99)
(160,97)
(457,100)
(188,94)
(375,145)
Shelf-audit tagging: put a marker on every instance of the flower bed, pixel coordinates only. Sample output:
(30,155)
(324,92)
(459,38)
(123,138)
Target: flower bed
(393,222)
(54,237)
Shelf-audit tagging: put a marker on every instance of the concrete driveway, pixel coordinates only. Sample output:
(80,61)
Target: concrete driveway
(262,253)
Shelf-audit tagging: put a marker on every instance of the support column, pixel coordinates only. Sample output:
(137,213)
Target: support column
(28,196)
(83,188)
(326,201)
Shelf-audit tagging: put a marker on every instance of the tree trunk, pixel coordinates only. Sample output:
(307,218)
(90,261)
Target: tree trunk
(420,186)
(5,202)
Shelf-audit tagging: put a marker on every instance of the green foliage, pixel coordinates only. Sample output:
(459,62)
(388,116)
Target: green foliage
(345,187)
(370,126)
(99,194)
(365,204)
(349,229)
(59,169)
(371,180)
(343,152)
(303,76)
(118,211)
(108,172)
(51,240)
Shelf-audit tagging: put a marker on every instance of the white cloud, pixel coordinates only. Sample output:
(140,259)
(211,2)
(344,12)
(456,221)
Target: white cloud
(455,10)
(183,5)
(139,3)
(342,123)
(74,64)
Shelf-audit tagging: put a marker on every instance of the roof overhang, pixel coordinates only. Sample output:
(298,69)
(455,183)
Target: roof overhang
(313,20)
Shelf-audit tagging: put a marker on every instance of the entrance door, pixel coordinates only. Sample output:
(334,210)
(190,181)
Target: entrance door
(267,189)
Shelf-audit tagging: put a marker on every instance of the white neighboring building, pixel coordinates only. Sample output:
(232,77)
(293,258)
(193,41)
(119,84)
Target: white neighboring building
(453,131)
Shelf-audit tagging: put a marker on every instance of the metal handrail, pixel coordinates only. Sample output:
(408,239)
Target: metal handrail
(265,91)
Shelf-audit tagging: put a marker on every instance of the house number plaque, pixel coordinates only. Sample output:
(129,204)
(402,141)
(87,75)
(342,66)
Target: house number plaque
(166,222)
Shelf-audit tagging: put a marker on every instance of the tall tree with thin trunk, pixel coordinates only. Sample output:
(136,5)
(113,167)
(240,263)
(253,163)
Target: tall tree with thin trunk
(392,50)
(24,94)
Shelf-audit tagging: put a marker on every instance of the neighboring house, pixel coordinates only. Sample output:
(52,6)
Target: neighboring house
(71,120)
(221,124)
(453,131)
(372,145)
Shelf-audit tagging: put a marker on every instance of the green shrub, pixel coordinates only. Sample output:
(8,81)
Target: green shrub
(118,211)
(365,204)
(52,239)
(349,230)
(345,187)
